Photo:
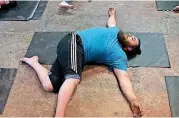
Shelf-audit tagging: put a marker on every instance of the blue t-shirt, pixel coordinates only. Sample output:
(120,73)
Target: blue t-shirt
(102,47)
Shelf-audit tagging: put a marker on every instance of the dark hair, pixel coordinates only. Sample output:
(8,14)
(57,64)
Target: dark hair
(130,54)
(134,51)
(120,37)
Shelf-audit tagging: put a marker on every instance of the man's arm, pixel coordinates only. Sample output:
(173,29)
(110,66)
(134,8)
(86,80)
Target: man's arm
(64,95)
(128,91)
(112,17)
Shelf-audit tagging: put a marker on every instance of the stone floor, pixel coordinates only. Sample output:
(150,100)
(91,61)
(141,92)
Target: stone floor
(98,93)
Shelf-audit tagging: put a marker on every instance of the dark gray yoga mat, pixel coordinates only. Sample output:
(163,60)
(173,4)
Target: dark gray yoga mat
(166,5)
(40,10)
(7,77)
(44,45)
(154,52)
(172,83)
(25,10)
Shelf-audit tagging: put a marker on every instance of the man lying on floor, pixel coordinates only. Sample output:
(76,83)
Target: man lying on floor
(106,46)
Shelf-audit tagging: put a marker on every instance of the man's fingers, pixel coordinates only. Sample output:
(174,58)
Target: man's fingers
(141,114)
(140,107)
(141,111)
(134,115)
(111,9)
(137,114)
(138,111)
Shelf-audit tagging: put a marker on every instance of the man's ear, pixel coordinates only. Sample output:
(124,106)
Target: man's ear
(129,48)
(125,49)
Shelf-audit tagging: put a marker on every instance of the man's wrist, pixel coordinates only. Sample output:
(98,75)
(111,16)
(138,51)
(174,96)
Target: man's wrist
(133,100)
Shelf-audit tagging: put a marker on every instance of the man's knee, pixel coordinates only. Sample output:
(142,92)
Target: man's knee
(48,87)
(77,81)
(74,82)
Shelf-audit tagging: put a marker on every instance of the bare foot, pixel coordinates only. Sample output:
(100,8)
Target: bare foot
(64,4)
(3,2)
(6,4)
(31,60)
(176,9)
(111,12)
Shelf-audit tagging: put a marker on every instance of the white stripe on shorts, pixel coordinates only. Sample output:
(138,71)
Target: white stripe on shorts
(73,53)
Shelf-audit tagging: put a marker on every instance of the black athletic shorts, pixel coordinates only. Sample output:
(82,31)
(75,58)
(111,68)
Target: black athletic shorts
(69,62)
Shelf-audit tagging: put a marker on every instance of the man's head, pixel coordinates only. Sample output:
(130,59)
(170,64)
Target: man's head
(130,44)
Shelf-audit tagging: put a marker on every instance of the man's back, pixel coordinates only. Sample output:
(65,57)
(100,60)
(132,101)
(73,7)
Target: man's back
(101,46)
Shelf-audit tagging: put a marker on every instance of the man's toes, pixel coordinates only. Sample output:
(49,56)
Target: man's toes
(24,59)
(35,58)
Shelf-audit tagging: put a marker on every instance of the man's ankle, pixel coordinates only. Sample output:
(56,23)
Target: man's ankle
(59,114)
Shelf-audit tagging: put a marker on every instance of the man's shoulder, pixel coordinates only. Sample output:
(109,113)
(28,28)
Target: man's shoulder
(117,54)
(118,60)
(119,51)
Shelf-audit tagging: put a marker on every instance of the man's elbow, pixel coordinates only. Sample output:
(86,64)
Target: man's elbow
(121,74)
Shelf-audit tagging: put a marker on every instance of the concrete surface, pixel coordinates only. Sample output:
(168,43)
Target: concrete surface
(27,98)
(98,93)
(13,47)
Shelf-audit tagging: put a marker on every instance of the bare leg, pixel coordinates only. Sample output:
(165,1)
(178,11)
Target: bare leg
(64,95)
(41,72)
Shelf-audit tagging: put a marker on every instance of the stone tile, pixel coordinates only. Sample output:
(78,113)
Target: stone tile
(129,18)
(7,77)
(89,102)
(97,97)
(174,24)
(71,20)
(13,48)
(22,26)
(143,21)
(100,75)
(27,97)
(150,86)
(172,42)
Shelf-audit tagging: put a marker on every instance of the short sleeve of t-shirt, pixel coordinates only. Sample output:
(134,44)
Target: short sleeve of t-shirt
(114,29)
(120,64)
(118,59)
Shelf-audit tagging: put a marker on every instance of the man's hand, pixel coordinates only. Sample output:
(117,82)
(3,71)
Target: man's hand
(111,12)
(136,108)
(112,17)
(128,91)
